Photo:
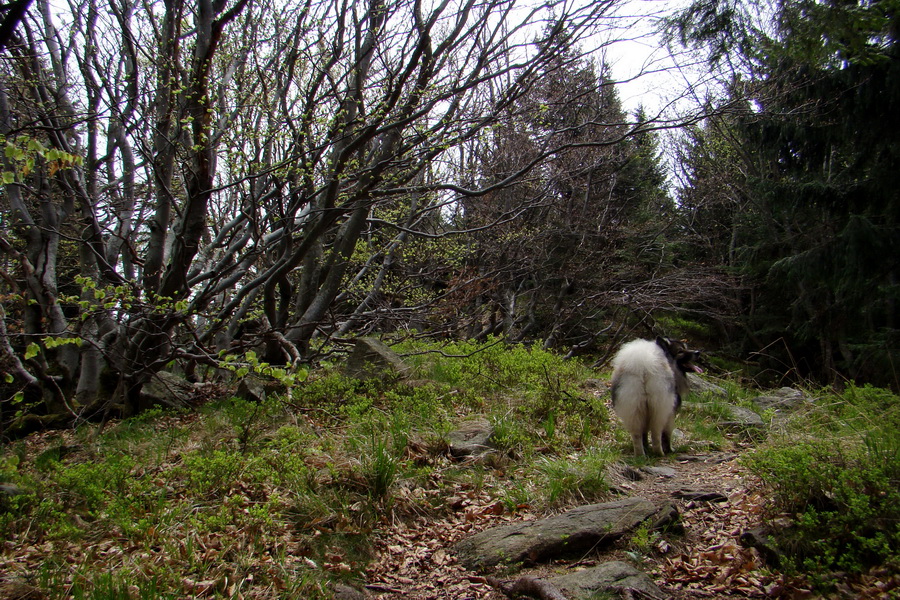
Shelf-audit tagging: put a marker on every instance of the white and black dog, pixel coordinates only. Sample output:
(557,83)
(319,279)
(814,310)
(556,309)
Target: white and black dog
(649,378)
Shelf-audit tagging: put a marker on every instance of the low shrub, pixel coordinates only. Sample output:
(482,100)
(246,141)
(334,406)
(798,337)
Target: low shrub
(837,471)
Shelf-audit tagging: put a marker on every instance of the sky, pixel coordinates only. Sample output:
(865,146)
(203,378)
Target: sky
(650,73)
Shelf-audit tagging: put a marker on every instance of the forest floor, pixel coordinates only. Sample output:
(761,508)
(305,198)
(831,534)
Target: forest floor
(188,511)
(705,561)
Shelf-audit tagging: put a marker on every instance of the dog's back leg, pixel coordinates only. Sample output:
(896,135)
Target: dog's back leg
(639,440)
(656,441)
(667,434)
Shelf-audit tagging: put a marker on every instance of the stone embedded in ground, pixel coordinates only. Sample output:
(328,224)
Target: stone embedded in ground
(471,438)
(632,474)
(781,399)
(758,538)
(667,518)
(345,592)
(741,419)
(715,458)
(371,359)
(613,576)
(667,472)
(736,418)
(700,386)
(580,529)
(10,489)
(700,495)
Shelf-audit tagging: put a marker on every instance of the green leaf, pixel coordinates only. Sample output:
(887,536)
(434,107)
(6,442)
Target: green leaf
(32,351)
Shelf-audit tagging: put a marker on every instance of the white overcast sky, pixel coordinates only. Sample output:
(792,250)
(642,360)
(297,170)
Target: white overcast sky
(647,72)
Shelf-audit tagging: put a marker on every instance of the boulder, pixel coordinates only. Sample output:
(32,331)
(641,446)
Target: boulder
(167,389)
(251,389)
(373,359)
(595,384)
(613,576)
(10,489)
(577,530)
(700,386)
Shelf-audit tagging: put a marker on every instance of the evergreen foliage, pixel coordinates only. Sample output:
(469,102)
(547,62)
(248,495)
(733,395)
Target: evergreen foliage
(799,191)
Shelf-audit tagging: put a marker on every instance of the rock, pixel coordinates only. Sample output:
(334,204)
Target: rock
(667,518)
(614,576)
(632,474)
(700,495)
(251,389)
(472,438)
(167,389)
(712,458)
(667,472)
(701,386)
(345,592)
(782,399)
(371,358)
(758,538)
(577,530)
(741,419)
(10,489)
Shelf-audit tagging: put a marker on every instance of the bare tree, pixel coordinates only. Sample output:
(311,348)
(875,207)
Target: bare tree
(183,177)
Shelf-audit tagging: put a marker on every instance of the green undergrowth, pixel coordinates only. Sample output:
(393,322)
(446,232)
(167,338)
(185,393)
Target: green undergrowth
(835,468)
(284,497)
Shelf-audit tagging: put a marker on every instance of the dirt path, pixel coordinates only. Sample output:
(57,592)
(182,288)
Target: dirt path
(705,561)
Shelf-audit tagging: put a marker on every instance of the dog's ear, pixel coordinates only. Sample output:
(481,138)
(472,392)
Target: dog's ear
(664,343)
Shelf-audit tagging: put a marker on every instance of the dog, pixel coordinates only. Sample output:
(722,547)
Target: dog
(648,382)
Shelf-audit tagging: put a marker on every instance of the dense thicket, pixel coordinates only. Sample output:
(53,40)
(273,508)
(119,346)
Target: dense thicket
(187,182)
(796,186)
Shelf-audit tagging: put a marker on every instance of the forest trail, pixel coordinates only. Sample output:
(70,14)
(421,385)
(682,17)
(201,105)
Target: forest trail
(705,561)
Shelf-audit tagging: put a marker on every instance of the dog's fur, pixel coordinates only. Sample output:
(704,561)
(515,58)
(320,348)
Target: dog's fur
(648,382)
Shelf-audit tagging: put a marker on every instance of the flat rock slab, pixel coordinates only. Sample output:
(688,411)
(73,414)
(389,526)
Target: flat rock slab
(781,399)
(741,419)
(667,472)
(577,530)
(471,438)
(614,576)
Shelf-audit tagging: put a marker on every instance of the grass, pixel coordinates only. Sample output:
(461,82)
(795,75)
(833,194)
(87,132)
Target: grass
(281,498)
